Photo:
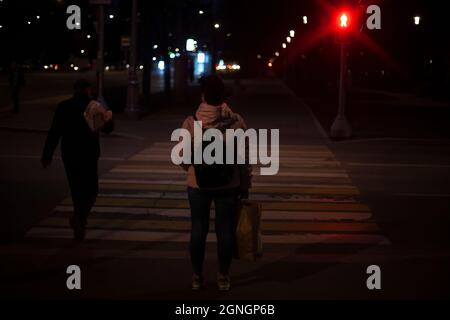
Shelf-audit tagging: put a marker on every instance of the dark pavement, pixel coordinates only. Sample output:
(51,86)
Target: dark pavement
(334,209)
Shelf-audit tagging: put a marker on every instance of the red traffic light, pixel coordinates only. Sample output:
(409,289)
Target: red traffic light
(346,24)
(343,20)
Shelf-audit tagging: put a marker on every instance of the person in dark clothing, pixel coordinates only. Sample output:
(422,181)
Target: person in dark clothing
(16,81)
(80,151)
(215,113)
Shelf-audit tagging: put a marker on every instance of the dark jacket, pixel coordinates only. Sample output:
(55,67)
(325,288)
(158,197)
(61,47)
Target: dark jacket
(78,142)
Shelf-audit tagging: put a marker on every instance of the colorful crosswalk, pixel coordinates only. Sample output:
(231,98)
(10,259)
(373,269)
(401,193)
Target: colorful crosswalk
(311,201)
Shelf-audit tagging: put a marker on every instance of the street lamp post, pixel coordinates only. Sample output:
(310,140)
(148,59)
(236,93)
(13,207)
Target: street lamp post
(100,52)
(341,128)
(132,107)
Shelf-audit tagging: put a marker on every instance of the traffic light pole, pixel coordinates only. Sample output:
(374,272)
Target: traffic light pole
(341,127)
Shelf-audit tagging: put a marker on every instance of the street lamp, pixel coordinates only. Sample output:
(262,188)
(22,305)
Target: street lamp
(417,20)
(132,107)
(305,20)
(292,33)
(288,39)
(284,45)
(217,26)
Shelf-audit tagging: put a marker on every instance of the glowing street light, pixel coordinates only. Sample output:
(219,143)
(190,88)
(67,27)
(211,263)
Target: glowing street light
(284,45)
(288,39)
(277,54)
(292,33)
(305,19)
(201,12)
(88,36)
(191,45)
(217,26)
(417,20)
(111,16)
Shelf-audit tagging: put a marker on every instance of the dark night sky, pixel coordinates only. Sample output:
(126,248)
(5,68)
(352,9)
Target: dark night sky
(255,26)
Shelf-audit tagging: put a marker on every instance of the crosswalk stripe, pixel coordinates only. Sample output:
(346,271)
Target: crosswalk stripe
(287,179)
(266,215)
(169,145)
(178,171)
(274,205)
(298,160)
(185,225)
(256,184)
(151,236)
(256,197)
(255,190)
(297,166)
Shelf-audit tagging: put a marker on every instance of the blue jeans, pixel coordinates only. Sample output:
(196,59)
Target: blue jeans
(226,205)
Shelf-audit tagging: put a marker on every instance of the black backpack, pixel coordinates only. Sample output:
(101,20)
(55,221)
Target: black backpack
(212,175)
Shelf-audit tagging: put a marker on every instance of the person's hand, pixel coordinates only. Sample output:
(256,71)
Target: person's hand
(107,116)
(243,194)
(46,162)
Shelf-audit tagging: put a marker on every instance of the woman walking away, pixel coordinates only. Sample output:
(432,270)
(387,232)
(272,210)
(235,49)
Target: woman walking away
(223,184)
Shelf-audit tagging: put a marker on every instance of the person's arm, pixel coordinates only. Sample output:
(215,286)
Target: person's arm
(53,136)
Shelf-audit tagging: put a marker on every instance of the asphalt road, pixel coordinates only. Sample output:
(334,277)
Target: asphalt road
(404,183)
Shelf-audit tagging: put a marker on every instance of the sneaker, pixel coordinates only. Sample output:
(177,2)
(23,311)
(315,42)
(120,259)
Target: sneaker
(223,282)
(79,228)
(198,282)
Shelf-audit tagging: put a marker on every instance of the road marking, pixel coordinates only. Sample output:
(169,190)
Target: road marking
(185,225)
(151,236)
(255,197)
(178,171)
(269,205)
(267,214)
(257,184)
(141,187)
(138,203)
